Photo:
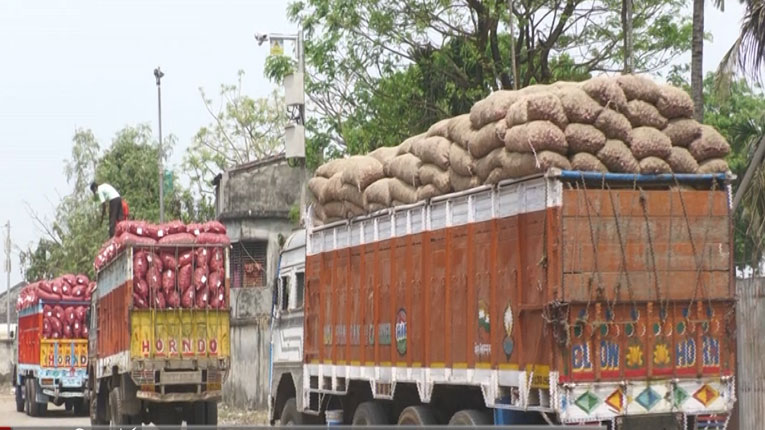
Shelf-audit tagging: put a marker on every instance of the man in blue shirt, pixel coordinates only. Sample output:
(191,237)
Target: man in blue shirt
(105,193)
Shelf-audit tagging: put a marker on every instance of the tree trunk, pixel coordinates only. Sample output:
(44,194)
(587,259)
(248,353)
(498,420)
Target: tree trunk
(697,56)
(629,65)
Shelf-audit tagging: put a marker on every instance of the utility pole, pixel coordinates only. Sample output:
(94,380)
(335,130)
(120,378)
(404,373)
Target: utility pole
(294,97)
(158,75)
(8,277)
(512,45)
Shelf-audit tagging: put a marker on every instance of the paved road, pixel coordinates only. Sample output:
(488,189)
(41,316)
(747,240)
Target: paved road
(56,415)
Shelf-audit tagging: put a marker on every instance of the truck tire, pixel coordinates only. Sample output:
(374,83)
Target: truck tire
(19,399)
(35,409)
(471,417)
(203,414)
(371,414)
(80,407)
(417,416)
(290,415)
(98,409)
(27,401)
(118,417)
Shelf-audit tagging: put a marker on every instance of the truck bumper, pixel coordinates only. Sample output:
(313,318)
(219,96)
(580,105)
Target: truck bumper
(56,394)
(180,397)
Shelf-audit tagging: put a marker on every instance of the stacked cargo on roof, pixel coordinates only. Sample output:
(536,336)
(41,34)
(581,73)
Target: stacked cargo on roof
(624,124)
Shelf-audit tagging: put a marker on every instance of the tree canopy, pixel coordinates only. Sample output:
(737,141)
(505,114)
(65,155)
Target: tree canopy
(379,71)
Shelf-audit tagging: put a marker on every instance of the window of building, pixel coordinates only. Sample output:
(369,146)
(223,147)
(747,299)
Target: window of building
(284,290)
(300,287)
(248,264)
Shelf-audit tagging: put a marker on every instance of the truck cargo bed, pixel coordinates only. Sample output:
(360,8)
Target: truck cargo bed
(562,286)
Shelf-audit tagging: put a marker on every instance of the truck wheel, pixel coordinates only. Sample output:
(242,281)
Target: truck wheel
(27,402)
(290,415)
(471,417)
(19,399)
(370,414)
(202,414)
(35,409)
(80,408)
(417,416)
(97,409)
(118,417)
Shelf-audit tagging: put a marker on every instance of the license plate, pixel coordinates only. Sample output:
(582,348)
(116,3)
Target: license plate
(181,377)
(70,382)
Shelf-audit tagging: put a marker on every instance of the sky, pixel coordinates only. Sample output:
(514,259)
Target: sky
(89,64)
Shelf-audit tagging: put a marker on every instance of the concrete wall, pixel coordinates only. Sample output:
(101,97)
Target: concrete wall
(750,341)
(254,202)
(6,360)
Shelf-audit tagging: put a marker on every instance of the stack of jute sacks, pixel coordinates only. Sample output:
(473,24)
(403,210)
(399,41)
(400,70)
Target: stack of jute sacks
(623,124)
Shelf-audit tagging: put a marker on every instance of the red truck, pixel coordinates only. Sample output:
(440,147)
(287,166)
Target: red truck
(573,297)
(52,351)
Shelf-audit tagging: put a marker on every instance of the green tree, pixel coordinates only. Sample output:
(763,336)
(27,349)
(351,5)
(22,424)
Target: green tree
(358,51)
(740,117)
(243,130)
(72,239)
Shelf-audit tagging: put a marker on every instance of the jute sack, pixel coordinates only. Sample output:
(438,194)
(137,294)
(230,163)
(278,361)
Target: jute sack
(374,207)
(710,145)
(614,125)
(587,162)
(317,186)
(330,168)
(462,183)
(607,92)
(654,166)
(362,170)
(637,87)
(402,192)
(485,140)
(584,138)
(378,193)
(440,128)
(333,210)
(430,174)
(426,192)
(681,161)
(542,106)
(520,164)
(434,150)
(493,108)
(682,131)
(460,130)
(336,190)
(484,165)
(617,157)
(649,142)
(500,129)
(674,103)
(578,106)
(405,147)
(714,165)
(351,209)
(460,160)
(641,113)
(384,153)
(536,136)
(405,167)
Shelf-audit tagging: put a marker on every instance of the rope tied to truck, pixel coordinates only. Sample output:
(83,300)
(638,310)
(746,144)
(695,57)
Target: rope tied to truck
(698,259)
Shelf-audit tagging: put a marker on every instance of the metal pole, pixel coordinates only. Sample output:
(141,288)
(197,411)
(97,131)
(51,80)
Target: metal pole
(301,69)
(158,74)
(8,278)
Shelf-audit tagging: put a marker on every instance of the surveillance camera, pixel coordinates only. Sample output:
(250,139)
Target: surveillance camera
(261,38)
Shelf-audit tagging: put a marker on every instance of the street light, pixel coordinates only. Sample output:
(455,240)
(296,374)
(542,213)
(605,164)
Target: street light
(158,76)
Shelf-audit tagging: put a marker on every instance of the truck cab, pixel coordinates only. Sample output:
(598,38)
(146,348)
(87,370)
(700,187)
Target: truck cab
(287,329)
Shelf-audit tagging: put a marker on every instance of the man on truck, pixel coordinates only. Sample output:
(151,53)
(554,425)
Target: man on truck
(107,193)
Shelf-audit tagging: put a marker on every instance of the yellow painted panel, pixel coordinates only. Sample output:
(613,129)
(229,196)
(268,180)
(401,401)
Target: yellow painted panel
(179,333)
(64,353)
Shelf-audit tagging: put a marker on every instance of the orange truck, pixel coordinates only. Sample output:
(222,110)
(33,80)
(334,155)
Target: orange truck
(48,370)
(568,298)
(164,364)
